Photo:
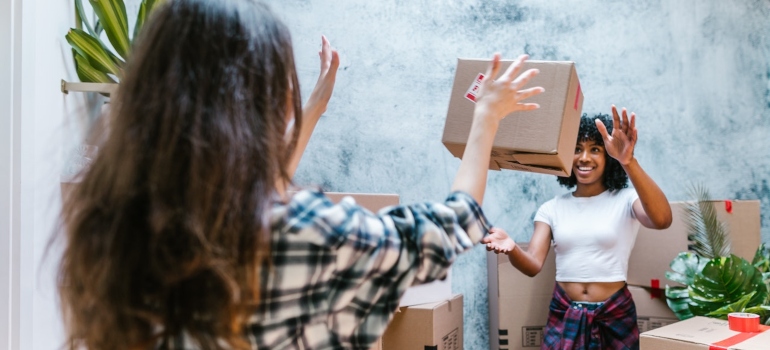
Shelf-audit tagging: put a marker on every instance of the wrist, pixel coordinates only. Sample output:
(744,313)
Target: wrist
(628,163)
(312,111)
(483,116)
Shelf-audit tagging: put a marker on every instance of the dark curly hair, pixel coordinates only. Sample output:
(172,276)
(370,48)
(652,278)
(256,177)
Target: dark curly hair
(615,178)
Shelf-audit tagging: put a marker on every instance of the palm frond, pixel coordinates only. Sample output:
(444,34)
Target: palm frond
(708,236)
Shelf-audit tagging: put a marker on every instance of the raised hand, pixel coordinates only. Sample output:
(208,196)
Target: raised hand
(315,105)
(498,241)
(503,96)
(620,144)
(319,98)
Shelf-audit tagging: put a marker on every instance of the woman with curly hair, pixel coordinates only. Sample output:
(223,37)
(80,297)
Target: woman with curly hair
(593,230)
(184,234)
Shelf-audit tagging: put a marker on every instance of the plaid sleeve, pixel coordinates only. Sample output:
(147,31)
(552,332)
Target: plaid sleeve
(378,256)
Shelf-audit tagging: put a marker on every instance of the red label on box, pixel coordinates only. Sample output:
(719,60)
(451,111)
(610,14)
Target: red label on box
(577,97)
(474,89)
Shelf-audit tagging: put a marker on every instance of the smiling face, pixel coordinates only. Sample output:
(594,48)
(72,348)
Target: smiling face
(589,163)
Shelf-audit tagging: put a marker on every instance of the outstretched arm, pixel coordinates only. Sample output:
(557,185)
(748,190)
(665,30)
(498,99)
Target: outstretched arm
(652,209)
(529,261)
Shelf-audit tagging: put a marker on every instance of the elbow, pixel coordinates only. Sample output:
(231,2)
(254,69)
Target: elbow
(662,223)
(665,222)
(532,271)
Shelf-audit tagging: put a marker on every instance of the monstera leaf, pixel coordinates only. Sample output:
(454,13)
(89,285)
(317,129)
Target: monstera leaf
(726,281)
(685,267)
(678,300)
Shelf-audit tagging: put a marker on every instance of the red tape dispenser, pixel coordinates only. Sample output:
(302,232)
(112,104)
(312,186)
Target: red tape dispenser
(743,322)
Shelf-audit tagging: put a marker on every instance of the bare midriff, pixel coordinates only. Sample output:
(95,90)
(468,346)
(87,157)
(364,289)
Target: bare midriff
(591,291)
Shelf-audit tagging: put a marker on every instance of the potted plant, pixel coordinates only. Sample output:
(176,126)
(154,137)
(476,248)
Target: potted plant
(715,281)
(99,66)
(96,62)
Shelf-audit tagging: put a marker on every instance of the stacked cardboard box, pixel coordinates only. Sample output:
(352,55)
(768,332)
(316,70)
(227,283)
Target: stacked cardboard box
(655,249)
(652,311)
(703,333)
(518,304)
(432,326)
(540,141)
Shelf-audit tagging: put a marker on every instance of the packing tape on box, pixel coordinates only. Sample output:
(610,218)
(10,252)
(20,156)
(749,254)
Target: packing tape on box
(746,324)
(743,322)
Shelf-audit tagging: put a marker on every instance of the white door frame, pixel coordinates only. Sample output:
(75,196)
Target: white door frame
(10,174)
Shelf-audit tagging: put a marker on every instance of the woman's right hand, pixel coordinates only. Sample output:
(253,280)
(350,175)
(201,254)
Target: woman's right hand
(498,241)
(500,97)
(497,98)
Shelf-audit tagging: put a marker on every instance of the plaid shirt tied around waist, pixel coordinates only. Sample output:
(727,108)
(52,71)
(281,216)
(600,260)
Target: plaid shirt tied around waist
(612,325)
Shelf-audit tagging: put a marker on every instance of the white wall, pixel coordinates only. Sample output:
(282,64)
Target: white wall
(33,118)
(10,39)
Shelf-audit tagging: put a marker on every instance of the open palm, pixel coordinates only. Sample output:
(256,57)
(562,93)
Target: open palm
(498,241)
(620,144)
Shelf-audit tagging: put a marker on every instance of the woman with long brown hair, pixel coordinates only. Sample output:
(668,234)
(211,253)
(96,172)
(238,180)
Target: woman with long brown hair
(182,233)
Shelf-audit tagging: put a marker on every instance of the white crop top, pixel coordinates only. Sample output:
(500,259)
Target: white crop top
(592,236)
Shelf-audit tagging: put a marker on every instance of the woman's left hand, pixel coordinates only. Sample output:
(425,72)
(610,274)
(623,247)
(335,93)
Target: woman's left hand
(322,93)
(620,144)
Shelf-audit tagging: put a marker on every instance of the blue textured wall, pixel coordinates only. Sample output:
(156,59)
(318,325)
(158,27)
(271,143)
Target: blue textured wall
(697,72)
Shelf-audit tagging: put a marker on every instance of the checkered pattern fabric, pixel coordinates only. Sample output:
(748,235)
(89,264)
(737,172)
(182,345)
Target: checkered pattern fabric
(574,327)
(339,270)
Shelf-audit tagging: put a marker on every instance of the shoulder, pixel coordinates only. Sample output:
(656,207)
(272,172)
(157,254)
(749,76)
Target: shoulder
(310,208)
(625,194)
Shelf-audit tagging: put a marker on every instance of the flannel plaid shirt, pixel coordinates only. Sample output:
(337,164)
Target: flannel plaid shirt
(339,270)
(610,326)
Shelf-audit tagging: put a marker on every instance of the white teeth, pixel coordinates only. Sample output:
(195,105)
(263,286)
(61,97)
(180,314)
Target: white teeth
(581,168)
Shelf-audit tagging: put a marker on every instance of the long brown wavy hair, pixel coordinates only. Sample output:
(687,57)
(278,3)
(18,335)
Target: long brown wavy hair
(168,231)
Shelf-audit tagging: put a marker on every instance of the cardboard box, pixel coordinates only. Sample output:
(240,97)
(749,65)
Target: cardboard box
(436,326)
(420,294)
(651,309)
(540,141)
(518,304)
(372,201)
(702,333)
(655,249)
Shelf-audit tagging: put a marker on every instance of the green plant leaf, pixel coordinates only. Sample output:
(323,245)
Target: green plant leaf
(91,49)
(145,9)
(686,266)
(678,300)
(738,306)
(141,17)
(762,258)
(98,28)
(112,16)
(82,18)
(724,281)
(87,73)
(708,236)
